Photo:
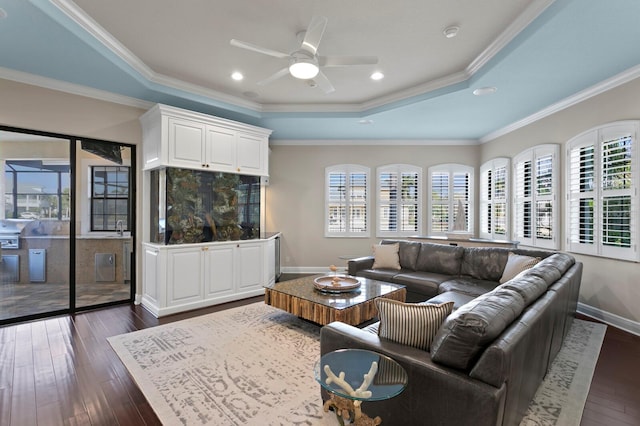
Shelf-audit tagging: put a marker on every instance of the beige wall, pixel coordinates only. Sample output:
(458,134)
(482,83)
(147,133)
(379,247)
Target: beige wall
(46,110)
(295,197)
(607,285)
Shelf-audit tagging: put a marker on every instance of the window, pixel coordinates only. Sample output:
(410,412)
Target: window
(346,208)
(37,189)
(602,186)
(535,212)
(450,185)
(399,200)
(109,197)
(494,199)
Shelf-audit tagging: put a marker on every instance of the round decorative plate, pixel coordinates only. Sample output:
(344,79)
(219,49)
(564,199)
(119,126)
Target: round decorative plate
(336,283)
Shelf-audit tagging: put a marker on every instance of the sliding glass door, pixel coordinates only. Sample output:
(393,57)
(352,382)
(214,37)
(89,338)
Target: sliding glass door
(66,223)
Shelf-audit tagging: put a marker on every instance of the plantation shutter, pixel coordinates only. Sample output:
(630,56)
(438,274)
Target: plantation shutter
(602,196)
(449,183)
(535,209)
(346,208)
(399,189)
(494,198)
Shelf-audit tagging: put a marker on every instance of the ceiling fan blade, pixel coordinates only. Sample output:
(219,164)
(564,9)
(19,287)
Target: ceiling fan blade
(343,61)
(259,49)
(314,34)
(324,83)
(274,77)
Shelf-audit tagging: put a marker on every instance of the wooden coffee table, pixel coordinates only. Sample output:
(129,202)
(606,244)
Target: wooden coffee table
(300,298)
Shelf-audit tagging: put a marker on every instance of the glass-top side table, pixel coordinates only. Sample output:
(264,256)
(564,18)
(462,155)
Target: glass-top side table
(356,375)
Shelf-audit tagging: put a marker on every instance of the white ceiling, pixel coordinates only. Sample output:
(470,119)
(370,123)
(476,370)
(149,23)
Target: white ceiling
(191,43)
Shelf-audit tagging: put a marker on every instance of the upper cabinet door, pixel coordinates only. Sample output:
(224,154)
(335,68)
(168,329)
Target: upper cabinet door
(173,137)
(221,149)
(186,143)
(252,154)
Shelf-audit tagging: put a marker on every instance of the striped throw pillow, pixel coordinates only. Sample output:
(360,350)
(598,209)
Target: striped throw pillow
(411,324)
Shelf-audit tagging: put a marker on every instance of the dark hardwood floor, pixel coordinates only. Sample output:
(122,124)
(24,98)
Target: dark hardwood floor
(62,371)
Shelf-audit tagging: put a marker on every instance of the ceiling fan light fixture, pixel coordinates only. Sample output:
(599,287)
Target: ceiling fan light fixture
(304,69)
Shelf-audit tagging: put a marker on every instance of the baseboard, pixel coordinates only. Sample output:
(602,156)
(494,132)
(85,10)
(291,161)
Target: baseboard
(304,270)
(614,320)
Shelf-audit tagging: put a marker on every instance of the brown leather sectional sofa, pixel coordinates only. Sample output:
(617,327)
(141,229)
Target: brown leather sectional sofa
(491,354)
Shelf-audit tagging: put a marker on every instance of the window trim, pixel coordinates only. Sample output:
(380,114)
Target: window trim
(451,169)
(533,154)
(399,169)
(485,201)
(347,169)
(596,137)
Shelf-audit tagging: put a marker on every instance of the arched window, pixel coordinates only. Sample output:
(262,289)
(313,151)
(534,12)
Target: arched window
(602,191)
(449,185)
(535,205)
(399,200)
(346,201)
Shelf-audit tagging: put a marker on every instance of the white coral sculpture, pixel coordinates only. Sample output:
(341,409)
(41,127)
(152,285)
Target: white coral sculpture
(362,391)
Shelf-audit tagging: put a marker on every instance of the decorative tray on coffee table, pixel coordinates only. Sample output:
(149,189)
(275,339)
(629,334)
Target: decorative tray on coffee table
(336,283)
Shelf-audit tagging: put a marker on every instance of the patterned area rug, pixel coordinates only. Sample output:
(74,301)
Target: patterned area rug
(253,365)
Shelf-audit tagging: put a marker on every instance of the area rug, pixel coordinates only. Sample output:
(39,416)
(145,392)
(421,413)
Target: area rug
(253,365)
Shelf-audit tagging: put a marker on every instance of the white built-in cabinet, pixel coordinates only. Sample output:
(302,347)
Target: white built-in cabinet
(182,277)
(174,137)
(190,276)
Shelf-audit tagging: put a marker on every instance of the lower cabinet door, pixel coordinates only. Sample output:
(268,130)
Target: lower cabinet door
(250,271)
(219,276)
(185,272)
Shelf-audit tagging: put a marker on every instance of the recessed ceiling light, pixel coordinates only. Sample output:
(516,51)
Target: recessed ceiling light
(377,76)
(365,121)
(451,32)
(3,13)
(237,76)
(485,91)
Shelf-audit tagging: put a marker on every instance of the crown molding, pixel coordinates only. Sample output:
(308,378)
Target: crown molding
(74,89)
(595,90)
(77,15)
(372,142)
(520,23)
(410,95)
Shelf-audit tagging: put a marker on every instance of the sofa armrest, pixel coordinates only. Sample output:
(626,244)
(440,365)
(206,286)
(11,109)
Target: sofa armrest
(434,393)
(359,264)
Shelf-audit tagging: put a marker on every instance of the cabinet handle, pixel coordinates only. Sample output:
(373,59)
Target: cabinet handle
(204,165)
(205,248)
(237,245)
(238,169)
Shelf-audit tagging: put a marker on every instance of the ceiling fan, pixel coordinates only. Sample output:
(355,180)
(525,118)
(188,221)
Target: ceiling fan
(304,63)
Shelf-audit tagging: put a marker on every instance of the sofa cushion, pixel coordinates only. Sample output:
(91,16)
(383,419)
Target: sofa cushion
(562,261)
(439,258)
(467,285)
(408,252)
(484,263)
(529,286)
(379,274)
(410,324)
(458,299)
(426,283)
(517,263)
(468,330)
(385,256)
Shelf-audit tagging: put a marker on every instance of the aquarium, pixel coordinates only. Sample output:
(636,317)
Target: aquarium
(190,206)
